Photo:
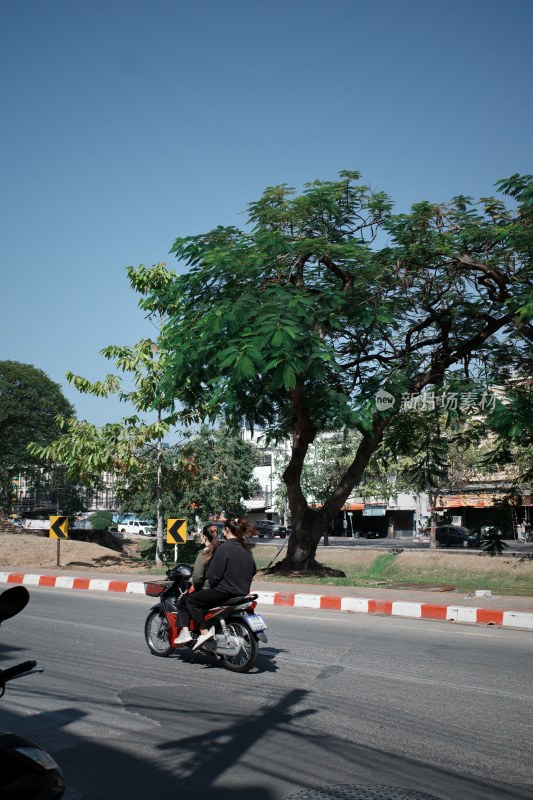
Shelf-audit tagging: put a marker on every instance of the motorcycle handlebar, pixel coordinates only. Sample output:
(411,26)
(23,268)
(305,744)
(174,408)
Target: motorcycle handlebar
(14,672)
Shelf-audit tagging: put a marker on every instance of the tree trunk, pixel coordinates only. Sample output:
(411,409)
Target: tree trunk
(433,521)
(160,541)
(307,530)
(309,525)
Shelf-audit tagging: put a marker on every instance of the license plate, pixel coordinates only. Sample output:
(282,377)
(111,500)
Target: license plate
(256,622)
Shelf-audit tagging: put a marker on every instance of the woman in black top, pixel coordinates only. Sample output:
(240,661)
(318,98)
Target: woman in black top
(230,574)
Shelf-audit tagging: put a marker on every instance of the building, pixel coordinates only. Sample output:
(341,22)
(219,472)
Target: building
(267,501)
(29,497)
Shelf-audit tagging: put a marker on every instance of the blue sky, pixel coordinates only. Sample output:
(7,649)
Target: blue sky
(126,124)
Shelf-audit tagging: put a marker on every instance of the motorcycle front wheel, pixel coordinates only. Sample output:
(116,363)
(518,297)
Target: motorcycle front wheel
(247,655)
(156,634)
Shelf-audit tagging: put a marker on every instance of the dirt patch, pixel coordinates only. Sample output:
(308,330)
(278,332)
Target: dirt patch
(27,550)
(474,564)
(336,558)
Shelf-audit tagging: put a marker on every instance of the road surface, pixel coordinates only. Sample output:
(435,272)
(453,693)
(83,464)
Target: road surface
(439,709)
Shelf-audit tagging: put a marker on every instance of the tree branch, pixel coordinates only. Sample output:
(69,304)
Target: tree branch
(344,275)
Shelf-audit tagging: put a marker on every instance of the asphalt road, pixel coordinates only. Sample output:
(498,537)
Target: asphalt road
(442,710)
(402,543)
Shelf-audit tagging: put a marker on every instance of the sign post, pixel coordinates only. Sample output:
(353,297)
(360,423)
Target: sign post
(58,530)
(176,531)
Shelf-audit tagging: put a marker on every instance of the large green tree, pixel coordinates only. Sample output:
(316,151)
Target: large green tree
(326,298)
(29,405)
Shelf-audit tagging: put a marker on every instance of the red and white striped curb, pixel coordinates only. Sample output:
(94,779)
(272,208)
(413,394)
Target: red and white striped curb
(64,582)
(355,605)
(400,608)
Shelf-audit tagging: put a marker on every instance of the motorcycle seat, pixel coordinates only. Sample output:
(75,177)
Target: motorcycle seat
(236,601)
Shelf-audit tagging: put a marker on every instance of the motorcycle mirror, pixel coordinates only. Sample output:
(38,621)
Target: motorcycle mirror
(12,601)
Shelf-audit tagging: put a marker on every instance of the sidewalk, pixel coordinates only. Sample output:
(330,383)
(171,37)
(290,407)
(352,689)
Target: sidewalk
(502,610)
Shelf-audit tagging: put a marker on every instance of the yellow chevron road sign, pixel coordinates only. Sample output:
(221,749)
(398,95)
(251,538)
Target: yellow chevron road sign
(176,531)
(58,527)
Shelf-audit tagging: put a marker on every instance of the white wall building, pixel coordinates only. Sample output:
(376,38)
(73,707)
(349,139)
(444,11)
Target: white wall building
(265,502)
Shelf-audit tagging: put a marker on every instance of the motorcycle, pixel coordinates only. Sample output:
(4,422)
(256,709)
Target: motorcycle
(25,769)
(238,629)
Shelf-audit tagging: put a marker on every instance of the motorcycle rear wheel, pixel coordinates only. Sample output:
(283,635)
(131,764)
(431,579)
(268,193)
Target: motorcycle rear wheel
(156,634)
(247,656)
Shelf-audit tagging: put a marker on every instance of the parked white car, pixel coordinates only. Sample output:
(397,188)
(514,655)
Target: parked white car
(141,528)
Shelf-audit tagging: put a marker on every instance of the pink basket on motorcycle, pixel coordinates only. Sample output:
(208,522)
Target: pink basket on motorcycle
(154,589)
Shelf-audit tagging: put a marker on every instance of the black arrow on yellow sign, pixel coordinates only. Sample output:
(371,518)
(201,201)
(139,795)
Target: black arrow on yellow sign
(176,531)
(58,527)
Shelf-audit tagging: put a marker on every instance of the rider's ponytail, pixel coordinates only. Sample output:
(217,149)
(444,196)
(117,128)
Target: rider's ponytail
(242,529)
(211,534)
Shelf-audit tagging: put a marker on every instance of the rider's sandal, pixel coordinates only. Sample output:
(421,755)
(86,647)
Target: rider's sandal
(203,638)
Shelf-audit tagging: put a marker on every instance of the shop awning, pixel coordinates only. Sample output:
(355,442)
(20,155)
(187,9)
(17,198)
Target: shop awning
(470,500)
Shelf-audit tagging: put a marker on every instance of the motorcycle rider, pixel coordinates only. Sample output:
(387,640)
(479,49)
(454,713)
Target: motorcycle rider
(209,539)
(229,573)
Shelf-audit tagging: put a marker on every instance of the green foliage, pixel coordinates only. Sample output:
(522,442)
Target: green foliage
(65,494)
(259,312)
(186,552)
(494,543)
(512,422)
(101,520)
(29,404)
(218,467)
(304,299)
(208,474)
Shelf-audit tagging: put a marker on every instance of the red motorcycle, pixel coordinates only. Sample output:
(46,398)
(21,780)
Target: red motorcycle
(237,629)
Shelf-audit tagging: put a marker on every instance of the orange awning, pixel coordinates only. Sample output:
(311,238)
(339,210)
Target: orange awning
(470,500)
(348,507)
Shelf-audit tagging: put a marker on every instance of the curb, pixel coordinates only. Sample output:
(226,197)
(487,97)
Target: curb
(354,605)
(399,608)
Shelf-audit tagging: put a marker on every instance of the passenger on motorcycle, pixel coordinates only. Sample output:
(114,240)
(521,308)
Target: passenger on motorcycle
(229,573)
(209,540)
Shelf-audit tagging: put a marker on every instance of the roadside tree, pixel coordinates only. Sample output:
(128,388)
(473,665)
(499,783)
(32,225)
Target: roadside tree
(297,322)
(29,404)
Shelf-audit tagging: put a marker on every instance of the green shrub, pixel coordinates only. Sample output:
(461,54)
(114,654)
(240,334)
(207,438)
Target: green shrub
(101,520)
(186,552)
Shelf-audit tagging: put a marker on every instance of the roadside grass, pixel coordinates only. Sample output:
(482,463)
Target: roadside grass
(504,575)
(373,568)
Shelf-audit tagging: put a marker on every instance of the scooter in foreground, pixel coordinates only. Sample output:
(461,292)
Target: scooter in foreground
(237,629)
(26,771)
